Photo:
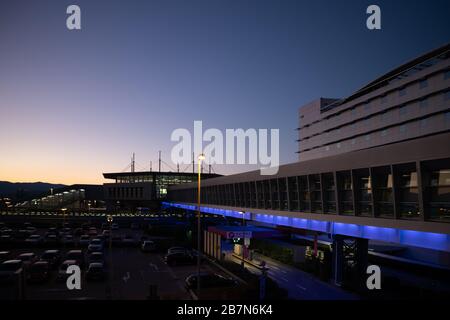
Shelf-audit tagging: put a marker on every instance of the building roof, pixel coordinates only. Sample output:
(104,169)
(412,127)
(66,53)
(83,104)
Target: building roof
(400,72)
(114,175)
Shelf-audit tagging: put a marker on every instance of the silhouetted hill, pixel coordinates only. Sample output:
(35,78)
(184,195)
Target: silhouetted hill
(21,191)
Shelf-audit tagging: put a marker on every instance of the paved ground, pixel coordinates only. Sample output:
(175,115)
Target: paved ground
(132,274)
(300,285)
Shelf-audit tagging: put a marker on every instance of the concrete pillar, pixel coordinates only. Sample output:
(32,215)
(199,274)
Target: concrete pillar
(338,259)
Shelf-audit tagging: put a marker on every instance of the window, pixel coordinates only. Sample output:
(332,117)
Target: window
(367,137)
(423,104)
(447,96)
(353,141)
(447,75)
(338,145)
(367,106)
(423,83)
(423,123)
(384,133)
(403,110)
(384,99)
(327,148)
(447,117)
(402,92)
(437,189)
(403,128)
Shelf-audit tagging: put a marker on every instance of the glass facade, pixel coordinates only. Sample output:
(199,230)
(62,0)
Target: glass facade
(391,192)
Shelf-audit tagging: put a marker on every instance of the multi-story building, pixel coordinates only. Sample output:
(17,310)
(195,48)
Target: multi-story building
(373,167)
(408,102)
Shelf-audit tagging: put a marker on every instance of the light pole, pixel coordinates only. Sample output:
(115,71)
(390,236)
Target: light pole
(64,216)
(201,157)
(110,220)
(243,237)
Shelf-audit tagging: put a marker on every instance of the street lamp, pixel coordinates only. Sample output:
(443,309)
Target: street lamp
(243,237)
(201,157)
(64,215)
(109,218)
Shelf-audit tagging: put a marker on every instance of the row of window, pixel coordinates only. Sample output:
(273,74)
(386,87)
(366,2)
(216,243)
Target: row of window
(383,133)
(385,116)
(366,106)
(126,192)
(387,192)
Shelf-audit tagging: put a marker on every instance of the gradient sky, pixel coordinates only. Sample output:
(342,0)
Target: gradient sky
(74,104)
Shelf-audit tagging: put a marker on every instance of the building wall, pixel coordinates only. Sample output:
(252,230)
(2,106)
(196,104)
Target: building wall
(407,107)
(407,181)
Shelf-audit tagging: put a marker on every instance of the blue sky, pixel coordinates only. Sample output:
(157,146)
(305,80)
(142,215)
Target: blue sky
(74,104)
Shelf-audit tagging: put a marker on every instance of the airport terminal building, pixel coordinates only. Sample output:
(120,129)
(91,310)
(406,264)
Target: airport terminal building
(372,166)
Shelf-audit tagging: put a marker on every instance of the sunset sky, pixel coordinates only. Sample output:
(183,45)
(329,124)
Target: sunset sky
(74,104)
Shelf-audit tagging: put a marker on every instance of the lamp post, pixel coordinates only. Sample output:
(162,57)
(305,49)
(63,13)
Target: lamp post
(243,237)
(64,216)
(109,218)
(201,157)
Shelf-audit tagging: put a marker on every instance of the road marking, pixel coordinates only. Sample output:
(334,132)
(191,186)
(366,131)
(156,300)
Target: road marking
(303,288)
(126,277)
(154,266)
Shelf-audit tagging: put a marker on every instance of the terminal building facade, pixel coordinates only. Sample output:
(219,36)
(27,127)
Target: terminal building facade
(373,166)
(131,190)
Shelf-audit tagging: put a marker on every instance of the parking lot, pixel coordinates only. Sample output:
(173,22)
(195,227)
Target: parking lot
(130,273)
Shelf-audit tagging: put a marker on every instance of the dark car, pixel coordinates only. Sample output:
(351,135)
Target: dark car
(4,255)
(179,258)
(96,257)
(39,272)
(76,255)
(209,280)
(95,271)
(9,270)
(53,257)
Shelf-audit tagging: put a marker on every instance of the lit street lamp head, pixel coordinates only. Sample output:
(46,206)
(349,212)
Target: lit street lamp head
(201,157)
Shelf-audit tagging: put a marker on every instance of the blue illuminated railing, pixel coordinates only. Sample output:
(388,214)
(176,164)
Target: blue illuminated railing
(436,241)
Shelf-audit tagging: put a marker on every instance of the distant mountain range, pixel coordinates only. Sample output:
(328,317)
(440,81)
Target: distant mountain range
(21,191)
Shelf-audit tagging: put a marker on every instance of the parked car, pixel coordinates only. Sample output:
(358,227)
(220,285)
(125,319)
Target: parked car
(4,255)
(62,271)
(148,246)
(9,270)
(95,271)
(39,272)
(84,240)
(106,233)
(179,258)
(177,249)
(78,232)
(209,280)
(115,226)
(27,258)
(92,231)
(95,245)
(53,257)
(34,240)
(51,239)
(76,255)
(68,240)
(96,257)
